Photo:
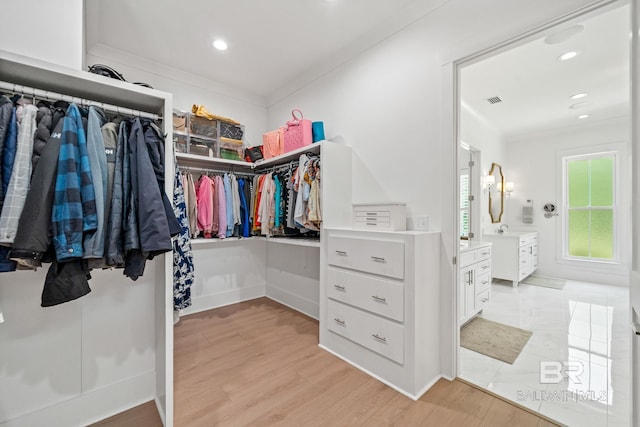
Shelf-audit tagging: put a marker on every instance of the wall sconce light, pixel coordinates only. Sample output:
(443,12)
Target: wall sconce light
(489,181)
(508,188)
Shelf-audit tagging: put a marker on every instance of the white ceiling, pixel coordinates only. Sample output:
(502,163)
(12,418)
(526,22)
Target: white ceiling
(535,87)
(270,42)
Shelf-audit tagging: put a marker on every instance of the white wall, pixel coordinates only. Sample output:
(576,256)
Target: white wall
(227,272)
(187,89)
(48,30)
(394,104)
(536,171)
(67,353)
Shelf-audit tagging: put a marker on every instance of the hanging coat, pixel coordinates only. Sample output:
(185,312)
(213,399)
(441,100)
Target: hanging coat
(74,204)
(93,241)
(183,267)
(33,237)
(20,176)
(120,194)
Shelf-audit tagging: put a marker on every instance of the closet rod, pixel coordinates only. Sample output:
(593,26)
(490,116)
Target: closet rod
(207,170)
(46,95)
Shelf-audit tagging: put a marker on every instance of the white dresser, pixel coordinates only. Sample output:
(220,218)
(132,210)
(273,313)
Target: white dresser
(514,254)
(474,284)
(379,304)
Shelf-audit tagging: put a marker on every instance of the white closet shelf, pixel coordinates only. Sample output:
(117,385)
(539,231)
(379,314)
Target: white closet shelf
(194,159)
(202,161)
(291,155)
(279,240)
(312,243)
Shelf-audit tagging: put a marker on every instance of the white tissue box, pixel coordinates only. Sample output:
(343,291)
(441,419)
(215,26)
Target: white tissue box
(380,216)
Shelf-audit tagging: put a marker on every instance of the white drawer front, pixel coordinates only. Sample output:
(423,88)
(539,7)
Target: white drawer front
(483,282)
(372,294)
(483,253)
(382,257)
(483,298)
(372,214)
(373,332)
(484,267)
(467,258)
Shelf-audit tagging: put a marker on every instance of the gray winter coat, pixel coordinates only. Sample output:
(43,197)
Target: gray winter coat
(93,242)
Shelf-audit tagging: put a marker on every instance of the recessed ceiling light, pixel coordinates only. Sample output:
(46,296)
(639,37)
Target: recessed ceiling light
(579,105)
(568,55)
(220,44)
(579,95)
(583,116)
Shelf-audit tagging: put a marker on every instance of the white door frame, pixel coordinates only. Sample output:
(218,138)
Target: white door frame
(451,133)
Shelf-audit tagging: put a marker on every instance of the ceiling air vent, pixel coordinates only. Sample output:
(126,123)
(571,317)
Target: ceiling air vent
(494,100)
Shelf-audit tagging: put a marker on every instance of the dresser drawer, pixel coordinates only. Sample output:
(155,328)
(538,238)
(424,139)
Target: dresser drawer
(382,257)
(373,332)
(376,295)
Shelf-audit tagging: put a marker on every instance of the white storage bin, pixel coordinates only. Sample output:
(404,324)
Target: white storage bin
(380,216)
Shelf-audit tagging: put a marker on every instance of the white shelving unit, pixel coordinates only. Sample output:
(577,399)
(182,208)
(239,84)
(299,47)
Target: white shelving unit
(283,269)
(88,359)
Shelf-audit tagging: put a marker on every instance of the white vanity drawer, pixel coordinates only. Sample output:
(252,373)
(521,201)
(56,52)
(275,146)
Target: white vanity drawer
(484,267)
(528,238)
(483,298)
(482,282)
(383,257)
(483,253)
(378,296)
(375,333)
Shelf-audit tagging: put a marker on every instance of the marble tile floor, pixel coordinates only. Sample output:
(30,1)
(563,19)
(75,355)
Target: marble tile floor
(587,326)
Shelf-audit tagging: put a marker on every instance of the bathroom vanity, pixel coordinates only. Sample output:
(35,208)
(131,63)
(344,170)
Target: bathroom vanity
(474,287)
(514,254)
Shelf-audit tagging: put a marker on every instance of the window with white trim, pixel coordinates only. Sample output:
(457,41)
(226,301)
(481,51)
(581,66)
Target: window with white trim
(590,207)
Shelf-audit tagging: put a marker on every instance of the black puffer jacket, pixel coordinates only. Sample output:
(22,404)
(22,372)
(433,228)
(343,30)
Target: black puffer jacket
(44,119)
(33,236)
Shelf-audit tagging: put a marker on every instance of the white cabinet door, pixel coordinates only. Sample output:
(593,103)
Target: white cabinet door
(467,292)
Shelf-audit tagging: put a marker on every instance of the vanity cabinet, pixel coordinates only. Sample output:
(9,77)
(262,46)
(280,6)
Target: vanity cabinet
(474,285)
(515,255)
(380,304)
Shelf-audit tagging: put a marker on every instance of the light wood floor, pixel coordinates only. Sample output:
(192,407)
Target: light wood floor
(258,364)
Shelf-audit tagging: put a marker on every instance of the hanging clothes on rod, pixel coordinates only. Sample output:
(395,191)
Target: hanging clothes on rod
(97,184)
(44,95)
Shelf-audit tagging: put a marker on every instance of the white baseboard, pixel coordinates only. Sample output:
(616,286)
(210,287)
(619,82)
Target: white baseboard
(382,380)
(296,302)
(93,406)
(234,296)
(163,416)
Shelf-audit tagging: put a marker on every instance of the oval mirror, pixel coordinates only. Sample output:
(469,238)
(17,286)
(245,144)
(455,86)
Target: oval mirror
(496,194)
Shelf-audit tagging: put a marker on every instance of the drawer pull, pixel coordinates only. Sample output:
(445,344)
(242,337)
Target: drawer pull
(484,282)
(340,287)
(484,267)
(379,338)
(378,258)
(485,299)
(484,253)
(339,321)
(379,299)
(372,213)
(342,253)
(371,219)
(372,223)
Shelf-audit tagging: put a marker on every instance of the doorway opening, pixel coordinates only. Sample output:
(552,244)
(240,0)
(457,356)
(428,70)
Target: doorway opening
(552,328)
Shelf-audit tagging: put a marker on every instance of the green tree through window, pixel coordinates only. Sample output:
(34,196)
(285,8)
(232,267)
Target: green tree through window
(590,206)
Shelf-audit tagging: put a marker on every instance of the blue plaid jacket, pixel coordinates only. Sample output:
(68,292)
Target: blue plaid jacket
(74,203)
